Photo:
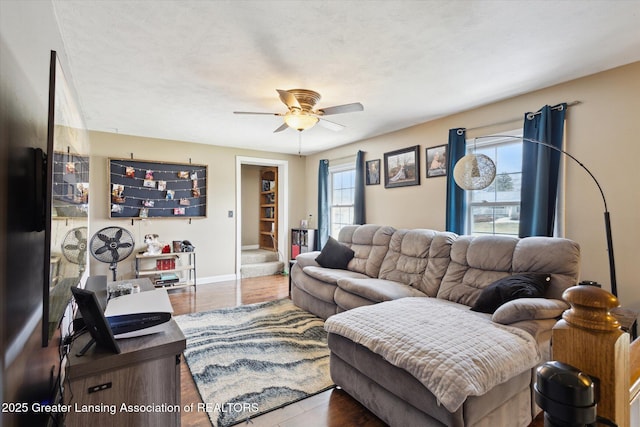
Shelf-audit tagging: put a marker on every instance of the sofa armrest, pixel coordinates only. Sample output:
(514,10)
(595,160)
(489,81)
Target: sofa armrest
(308,258)
(529,309)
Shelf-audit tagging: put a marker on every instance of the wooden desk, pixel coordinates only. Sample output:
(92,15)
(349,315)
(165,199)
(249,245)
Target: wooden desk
(104,388)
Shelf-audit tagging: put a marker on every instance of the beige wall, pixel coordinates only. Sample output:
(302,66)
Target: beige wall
(214,236)
(600,133)
(250,204)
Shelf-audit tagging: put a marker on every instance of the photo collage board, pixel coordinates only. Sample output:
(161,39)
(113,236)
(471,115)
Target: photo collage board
(145,189)
(70,187)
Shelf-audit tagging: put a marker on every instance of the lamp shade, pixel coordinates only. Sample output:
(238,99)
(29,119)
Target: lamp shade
(300,121)
(474,172)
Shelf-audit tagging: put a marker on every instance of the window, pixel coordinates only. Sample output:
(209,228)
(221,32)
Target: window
(341,194)
(496,209)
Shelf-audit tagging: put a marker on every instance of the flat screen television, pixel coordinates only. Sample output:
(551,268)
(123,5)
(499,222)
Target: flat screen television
(66,200)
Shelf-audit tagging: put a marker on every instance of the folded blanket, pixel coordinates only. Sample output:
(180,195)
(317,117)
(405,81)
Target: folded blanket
(453,352)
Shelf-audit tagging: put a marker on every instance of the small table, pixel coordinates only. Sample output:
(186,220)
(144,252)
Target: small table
(145,373)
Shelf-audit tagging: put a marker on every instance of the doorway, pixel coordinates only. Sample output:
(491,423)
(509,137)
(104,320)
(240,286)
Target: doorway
(283,204)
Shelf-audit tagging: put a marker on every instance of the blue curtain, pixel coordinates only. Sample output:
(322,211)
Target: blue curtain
(455,195)
(323,202)
(540,169)
(358,198)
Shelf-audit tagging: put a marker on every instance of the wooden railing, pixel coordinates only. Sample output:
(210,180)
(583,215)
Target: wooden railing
(634,381)
(589,338)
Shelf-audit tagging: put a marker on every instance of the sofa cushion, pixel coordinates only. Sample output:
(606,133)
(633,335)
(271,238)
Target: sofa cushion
(453,359)
(331,275)
(418,258)
(476,262)
(306,259)
(348,301)
(335,255)
(369,243)
(438,262)
(345,235)
(406,258)
(529,285)
(378,290)
(558,256)
(317,289)
(529,309)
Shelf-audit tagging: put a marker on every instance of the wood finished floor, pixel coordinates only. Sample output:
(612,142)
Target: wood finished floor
(333,408)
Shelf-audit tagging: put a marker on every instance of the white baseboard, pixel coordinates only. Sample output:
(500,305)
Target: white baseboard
(250,247)
(216,279)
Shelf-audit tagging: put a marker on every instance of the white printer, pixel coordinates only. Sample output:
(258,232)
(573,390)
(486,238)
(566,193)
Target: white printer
(138,314)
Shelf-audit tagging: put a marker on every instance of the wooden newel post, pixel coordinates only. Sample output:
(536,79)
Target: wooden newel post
(589,338)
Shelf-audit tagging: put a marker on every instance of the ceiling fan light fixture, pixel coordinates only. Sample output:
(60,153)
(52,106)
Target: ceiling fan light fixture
(300,113)
(300,121)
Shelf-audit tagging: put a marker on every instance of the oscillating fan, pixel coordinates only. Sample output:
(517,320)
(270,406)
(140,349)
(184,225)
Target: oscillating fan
(74,247)
(111,245)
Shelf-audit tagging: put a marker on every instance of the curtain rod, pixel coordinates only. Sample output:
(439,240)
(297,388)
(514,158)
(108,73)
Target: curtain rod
(529,116)
(350,157)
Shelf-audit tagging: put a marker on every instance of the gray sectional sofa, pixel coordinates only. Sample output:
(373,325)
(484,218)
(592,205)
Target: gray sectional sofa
(404,339)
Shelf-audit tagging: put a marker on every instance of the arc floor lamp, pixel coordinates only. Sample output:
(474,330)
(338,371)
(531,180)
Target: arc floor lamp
(477,171)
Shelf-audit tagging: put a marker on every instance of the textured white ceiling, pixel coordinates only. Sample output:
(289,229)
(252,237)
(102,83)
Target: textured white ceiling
(178,69)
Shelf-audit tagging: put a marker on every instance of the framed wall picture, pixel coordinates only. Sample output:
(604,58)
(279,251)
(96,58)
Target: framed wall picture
(402,167)
(372,172)
(437,161)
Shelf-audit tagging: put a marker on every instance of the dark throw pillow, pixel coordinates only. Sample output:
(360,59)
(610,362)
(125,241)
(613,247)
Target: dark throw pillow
(529,285)
(335,255)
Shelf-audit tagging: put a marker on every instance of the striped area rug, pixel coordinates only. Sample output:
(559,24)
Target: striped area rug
(255,358)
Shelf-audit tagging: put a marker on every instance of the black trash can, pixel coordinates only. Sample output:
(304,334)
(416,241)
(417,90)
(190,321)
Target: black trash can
(566,395)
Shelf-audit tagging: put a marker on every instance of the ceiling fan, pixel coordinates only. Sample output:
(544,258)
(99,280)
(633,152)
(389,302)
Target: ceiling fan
(301,115)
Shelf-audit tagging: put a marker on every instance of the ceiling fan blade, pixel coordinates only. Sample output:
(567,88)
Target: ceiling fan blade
(331,125)
(281,128)
(339,109)
(262,114)
(289,99)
